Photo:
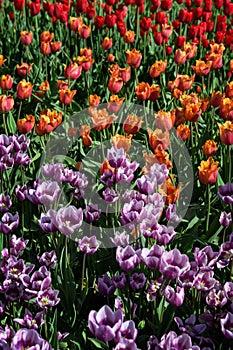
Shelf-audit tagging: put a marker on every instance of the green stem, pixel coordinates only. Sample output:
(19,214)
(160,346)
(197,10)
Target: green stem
(4,123)
(229,162)
(208,212)
(20,107)
(83,271)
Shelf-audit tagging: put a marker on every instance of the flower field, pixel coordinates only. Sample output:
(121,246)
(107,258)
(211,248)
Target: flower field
(116,181)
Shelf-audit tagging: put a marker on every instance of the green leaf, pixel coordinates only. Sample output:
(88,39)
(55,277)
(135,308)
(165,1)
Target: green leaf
(11,123)
(98,344)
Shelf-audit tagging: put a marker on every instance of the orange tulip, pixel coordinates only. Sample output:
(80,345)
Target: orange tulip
(120,141)
(215,59)
(166,30)
(132,124)
(6,103)
(164,120)
(75,22)
(143,91)
(158,138)
(209,148)
(216,98)
(226,132)
(24,89)
(62,85)
(106,43)
(49,120)
(6,82)
(46,36)
(129,37)
(157,68)
(170,192)
(217,48)
(115,84)
(85,52)
(183,132)
(84,31)
(23,69)
(229,90)
(190,49)
(226,108)
(202,68)
(114,104)
(66,96)
(94,100)
(56,46)
(85,134)
(111,58)
(85,62)
(72,132)
(124,73)
(26,124)
(208,171)
(45,48)
(160,156)
(44,86)
(2,60)
(25,37)
(101,119)
(105,166)
(154,92)
(72,71)
(180,57)
(133,58)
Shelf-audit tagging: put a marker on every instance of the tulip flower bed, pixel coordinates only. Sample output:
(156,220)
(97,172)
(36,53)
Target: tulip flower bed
(116,185)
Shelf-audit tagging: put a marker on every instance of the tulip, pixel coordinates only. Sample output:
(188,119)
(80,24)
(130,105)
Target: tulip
(66,96)
(46,36)
(26,37)
(120,141)
(6,103)
(84,31)
(129,37)
(23,69)
(208,171)
(226,132)
(209,148)
(2,60)
(157,68)
(75,23)
(143,91)
(72,71)
(24,89)
(114,104)
(94,100)
(45,48)
(202,68)
(85,62)
(55,46)
(26,124)
(106,43)
(6,82)
(154,92)
(115,84)
(158,138)
(132,124)
(133,58)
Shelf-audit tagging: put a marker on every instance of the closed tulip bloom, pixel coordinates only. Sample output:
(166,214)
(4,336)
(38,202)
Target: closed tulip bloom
(62,85)
(170,192)
(216,98)
(66,96)
(94,100)
(72,71)
(111,58)
(84,31)
(143,91)
(6,103)
(133,58)
(114,104)
(229,90)
(209,148)
(85,62)
(45,48)
(166,30)
(129,37)
(44,86)
(132,124)
(46,36)
(26,124)
(208,171)
(106,43)
(157,68)
(164,120)
(226,108)
(124,74)
(226,132)
(183,132)
(75,22)
(158,138)
(115,84)
(23,69)
(56,46)
(190,50)
(85,52)
(24,89)
(26,37)
(180,57)
(6,82)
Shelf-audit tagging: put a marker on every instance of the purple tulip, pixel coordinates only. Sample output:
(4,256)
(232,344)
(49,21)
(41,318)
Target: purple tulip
(127,334)
(173,264)
(137,281)
(21,192)
(129,195)
(125,173)
(189,326)
(69,219)
(146,185)
(152,343)
(20,142)
(6,144)
(105,323)
(106,286)
(226,254)
(130,212)
(88,245)
(29,339)
(92,212)
(109,195)
(47,192)
(174,297)
(17,245)
(227,325)
(116,156)
(164,235)
(21,158)
(47,298)
(6,162)
(225,193)
(204,280)
(108,178)
(172,341)
(47,221)
(153,289)
(47,171)
(120,239)
(159,172)
(28,321)
(228,290)
(5,203)
(119,280)
(9,223)
(225,219)
(48,259)
(216,297)
(151,257)
(127,258)
(205,256)
(171,214)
